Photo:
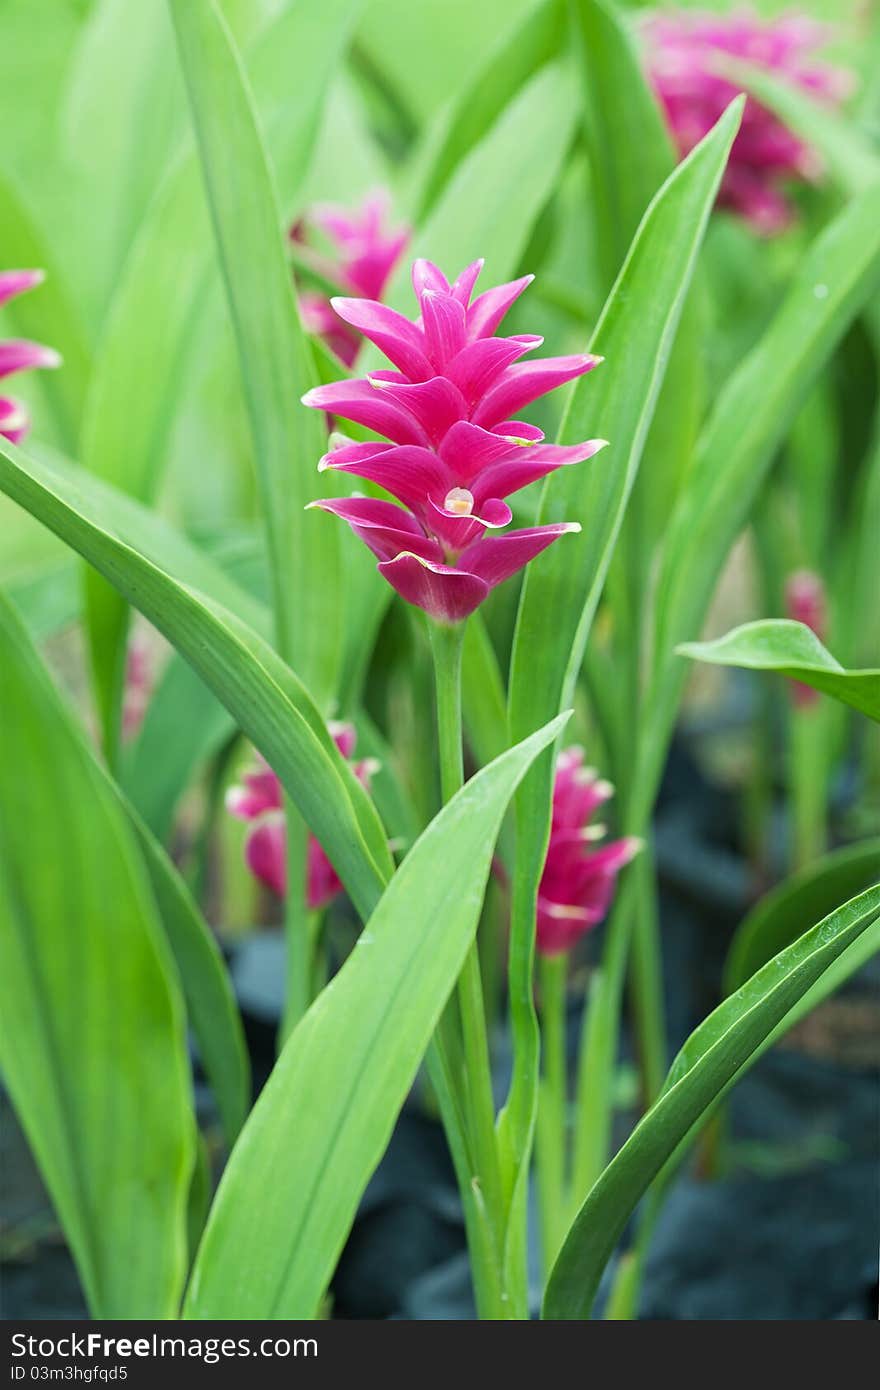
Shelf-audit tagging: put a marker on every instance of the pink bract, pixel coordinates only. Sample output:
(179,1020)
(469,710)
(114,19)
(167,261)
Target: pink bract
(260,801)
(19,355)
(579,878)
(453,449)
(685,62)
(366,255)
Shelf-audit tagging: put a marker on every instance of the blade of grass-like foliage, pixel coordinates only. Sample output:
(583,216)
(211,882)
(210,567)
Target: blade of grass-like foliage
(793,650)
(275,363)
(143,366)
(635,332)
(268,701)
(715,1055)
(211,1007)
(93,1035)
(47,601)
(832,283)
(851,160)
(46,315)
(515,165)
(292,1186)
(121,121)
(535,39)
(778,918)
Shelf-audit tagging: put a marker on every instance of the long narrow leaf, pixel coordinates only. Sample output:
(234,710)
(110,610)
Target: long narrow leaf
(93,1037)
(271,706)
(715,1055)
(291,1188)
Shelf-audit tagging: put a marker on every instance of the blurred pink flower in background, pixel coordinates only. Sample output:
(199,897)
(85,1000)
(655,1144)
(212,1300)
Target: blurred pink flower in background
(260,800)
(684,49)
(139,681)
(805,602)
(366,257)
(19,355)
(455,452)
(579,878)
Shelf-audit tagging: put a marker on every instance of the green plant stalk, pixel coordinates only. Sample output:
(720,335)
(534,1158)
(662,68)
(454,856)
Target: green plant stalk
(807,784)
(646,981)
(551,1137)
(478,1103)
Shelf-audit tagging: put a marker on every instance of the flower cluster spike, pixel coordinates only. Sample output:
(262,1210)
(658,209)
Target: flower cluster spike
(19,355)
(454,450)
(366,255)
(578,881)
(806,602)
(684,49)
(260,800)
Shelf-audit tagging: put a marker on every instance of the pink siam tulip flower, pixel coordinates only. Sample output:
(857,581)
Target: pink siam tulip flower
(805,602)
(261,801)
(684,49)
(19,355)
(454,451)
(578,881)
(367,255)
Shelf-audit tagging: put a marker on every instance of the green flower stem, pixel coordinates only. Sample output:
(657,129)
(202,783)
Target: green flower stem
(551,1134)
(477,1102)
(646,981)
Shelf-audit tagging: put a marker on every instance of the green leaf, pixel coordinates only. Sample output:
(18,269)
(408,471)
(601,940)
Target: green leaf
(515,166)
(749,422)
(145,361)
(777,919)
(635,332)
(715,1055)
(93,1029)
(268,701)
(631,152)
(291,1189)
(210,1002)
(275,363)
(533,41)
(792,650)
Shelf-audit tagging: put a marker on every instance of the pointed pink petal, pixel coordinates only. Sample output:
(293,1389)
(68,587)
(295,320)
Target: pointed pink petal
(463,287)
(19,355)
(385,528)
(266,854)
(361,402)
(526,381)
(13,282)
(444,323)
(447,594)
(401,341)
(466,449)
(409,474)
(435,404)
(508,476)
(475,368)
(344,736)
(14,420)
(457,531)
(427,276)
(489,308)
(322,881)
(496,558)
(561,925)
